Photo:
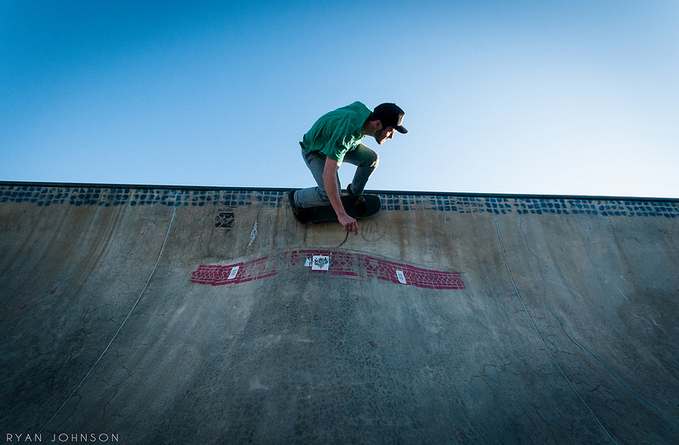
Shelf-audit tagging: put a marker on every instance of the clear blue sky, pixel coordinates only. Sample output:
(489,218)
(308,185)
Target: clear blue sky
(536,97)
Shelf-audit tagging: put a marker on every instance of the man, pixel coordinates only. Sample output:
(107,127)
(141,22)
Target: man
(336,137)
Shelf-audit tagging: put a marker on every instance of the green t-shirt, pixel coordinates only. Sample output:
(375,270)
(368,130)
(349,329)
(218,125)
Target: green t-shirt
(338,131)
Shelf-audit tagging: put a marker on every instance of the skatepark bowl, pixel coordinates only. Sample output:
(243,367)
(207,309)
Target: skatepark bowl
(161,315)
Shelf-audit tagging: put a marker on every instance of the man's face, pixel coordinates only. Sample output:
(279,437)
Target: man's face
(384,134)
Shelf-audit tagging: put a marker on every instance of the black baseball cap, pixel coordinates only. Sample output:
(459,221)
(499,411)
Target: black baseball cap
(391,115)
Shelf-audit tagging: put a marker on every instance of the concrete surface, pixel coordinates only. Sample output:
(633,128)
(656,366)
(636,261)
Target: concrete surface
(177,316)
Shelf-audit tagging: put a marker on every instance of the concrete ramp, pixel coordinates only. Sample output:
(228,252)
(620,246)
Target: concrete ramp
(172,315)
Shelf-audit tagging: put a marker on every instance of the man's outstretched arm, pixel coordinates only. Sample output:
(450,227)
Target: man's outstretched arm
(330,182)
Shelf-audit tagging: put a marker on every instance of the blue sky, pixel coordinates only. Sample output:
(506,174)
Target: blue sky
(530,97)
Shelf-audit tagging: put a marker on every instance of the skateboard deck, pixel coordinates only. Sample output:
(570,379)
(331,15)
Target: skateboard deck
(324,214)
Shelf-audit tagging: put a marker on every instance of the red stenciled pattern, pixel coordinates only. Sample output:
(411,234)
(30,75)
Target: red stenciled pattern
(351,265)
(247,271)
(415,276)
(341,263)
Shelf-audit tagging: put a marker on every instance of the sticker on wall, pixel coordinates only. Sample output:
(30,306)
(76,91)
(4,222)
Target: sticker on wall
(401,277)
(320,262)
(233,273)
(224,219)
(253,234)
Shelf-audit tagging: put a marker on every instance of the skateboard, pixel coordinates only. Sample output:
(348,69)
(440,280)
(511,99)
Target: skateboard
(325,214)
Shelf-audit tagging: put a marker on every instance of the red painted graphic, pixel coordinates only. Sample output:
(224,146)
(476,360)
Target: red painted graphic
(234,273)
(345,264)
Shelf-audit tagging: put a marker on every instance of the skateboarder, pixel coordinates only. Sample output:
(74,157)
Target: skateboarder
(335,138)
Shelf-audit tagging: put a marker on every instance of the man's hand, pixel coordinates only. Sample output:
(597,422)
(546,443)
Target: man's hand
(349,223)
(333,191)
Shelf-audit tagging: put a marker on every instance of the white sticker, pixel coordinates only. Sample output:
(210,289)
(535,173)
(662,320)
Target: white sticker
(321,262)
(253,234)
(233,273)
(401,277)
(307,262)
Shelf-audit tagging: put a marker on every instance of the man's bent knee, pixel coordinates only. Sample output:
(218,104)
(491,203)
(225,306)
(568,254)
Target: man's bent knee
(370,161)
